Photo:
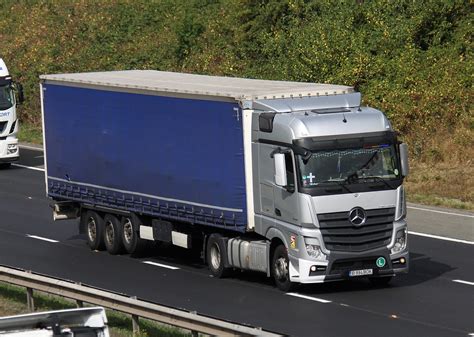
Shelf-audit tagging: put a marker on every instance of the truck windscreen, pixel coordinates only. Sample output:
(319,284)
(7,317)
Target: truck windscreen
(368,164)
(6,97)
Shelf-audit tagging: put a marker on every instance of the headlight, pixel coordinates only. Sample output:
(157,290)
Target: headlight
(12,148)
(313,251)
(400,241)
(402,205)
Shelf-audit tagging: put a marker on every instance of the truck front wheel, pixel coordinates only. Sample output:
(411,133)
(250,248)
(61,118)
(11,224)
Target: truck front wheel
(280,269)
(215,255)
(94,226)
(112,234)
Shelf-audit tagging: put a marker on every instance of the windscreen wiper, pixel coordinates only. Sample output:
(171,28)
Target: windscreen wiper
(378,179)
(341,183)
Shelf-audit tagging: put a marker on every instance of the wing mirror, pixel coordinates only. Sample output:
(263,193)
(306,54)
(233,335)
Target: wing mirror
(19,91)
(404,159)
(280,169)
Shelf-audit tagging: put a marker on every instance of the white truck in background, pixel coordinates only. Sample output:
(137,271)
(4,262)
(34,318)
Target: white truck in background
(80,322)
(11,94)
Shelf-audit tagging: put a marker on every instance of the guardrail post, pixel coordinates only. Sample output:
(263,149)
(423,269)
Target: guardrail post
(30,301)
(135,325)
(194,333)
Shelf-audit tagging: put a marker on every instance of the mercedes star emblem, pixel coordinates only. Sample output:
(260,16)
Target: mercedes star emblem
(357,216)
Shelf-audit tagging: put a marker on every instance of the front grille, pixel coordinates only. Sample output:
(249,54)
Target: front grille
(339,234)
(2,126)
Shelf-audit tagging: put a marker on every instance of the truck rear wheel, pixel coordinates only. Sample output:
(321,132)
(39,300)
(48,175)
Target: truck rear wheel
(94,225)
(112,234)
(130,238)
(281,270)
(216,255)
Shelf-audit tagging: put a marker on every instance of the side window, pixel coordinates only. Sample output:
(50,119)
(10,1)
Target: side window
(290,171)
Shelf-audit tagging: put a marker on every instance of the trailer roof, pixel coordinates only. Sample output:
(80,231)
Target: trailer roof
(190,84)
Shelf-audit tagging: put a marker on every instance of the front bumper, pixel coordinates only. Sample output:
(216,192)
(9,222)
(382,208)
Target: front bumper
(339,265)
(7,156)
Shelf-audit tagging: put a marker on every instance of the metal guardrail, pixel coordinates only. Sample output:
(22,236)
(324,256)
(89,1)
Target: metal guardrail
(135,307)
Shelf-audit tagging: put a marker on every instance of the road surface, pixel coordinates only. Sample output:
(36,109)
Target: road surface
(435,299)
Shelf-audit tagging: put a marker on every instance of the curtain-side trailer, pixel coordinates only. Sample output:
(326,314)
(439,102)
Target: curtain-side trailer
(296,180)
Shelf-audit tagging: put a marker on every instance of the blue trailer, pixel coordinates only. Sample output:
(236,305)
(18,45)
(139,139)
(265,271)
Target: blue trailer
(221,164)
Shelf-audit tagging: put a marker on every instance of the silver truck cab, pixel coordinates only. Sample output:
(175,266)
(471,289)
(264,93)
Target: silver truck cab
(327,184)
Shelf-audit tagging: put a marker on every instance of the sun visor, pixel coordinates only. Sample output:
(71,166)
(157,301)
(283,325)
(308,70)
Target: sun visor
(340,101)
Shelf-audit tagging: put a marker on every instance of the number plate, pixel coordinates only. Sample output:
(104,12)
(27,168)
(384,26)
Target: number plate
(361,272)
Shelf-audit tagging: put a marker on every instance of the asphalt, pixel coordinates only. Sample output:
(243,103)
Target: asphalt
(429,301)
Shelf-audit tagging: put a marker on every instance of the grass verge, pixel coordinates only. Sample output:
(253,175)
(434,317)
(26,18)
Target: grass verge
(13,302)
(29,133)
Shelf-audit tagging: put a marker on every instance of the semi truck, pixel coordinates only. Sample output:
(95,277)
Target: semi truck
(295,180)
(11,94)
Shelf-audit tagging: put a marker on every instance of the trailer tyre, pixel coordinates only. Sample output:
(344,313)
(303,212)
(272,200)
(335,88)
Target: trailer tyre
(216,255)
(94,226)
(130,236)
(113,234)
(280,269)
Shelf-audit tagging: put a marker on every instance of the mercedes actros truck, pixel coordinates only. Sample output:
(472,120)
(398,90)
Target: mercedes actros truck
(295,180)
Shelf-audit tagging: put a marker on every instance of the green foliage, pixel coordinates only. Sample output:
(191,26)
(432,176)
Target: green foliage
(411,59)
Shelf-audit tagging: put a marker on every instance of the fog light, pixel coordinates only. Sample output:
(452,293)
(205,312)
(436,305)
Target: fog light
(313,268)
(400,241)
(402,260)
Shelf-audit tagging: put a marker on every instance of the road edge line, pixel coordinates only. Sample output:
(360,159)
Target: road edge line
(432,236)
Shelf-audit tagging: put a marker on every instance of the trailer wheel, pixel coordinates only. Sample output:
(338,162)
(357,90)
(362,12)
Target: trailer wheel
(216,255)
(112,234)
(129,235)
(280,269)
(94,226)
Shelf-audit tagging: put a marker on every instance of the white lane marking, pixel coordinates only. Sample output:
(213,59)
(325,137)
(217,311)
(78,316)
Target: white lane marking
(160,265)
(441,238)
(29,167)
(464,282)
(31,147)
(41,238)
(309,298)
(442,212)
